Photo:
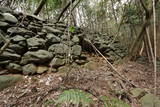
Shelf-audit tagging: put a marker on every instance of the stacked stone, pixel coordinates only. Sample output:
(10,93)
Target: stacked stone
(37,45)
(107,45)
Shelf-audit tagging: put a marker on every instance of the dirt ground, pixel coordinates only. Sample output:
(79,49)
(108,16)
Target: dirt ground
(35,90)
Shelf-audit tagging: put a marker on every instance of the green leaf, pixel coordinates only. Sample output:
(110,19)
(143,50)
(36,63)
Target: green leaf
(72,29)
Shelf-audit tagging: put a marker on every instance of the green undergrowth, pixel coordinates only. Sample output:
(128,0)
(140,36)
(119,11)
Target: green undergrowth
(79,98)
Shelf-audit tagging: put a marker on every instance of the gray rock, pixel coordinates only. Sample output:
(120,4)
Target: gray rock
(3,63)
(29,69)
(20,31)
(52,39)
(9,80)
(5,10)
(63,69)
(22,43)
(76,50)
(14,68)
(39,57)
(137,92)
(149,100)
(3,24)
(35,43)
(64,37)
(57,62)
(9,56)
(41,69)
(75,39)
(52,30)
(34,28)
(10,18)
(18,49)
(59,49)
(18,38)
(81,62)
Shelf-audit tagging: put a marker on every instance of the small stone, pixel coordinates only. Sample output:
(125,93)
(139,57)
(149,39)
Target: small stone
(39,57)
(81,62)
(75,39)
(41,69)
(29,69)
(35,43)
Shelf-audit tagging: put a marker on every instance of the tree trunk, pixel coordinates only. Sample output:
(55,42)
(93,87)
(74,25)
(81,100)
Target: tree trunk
(64,9)
(40,6)
(138,42)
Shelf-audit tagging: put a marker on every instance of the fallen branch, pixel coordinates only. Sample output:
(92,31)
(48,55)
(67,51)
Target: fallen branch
(111,66)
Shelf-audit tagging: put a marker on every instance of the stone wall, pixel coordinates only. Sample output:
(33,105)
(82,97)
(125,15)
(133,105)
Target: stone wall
(38,46)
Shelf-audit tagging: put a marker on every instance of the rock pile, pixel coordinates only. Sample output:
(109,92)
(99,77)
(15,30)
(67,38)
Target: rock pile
(107,45)
(37,45)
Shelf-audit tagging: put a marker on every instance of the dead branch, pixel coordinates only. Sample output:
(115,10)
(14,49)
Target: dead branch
(111,66)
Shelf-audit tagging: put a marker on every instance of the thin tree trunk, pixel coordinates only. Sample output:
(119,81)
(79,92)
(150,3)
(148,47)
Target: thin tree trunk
(155,47)
(64,10)
(40,6)
(114,14)
(136,46)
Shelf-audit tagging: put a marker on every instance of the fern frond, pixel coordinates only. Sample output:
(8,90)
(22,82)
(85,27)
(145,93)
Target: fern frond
(114,102)
(76,97)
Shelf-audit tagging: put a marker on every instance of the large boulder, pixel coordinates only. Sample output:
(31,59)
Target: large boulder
(29,69)
(35,43)
(9,56)
(20,31)
(39,57)
(59,49)
(9,80)
(10,18)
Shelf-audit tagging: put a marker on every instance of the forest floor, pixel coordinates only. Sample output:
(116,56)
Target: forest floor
(101,81)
